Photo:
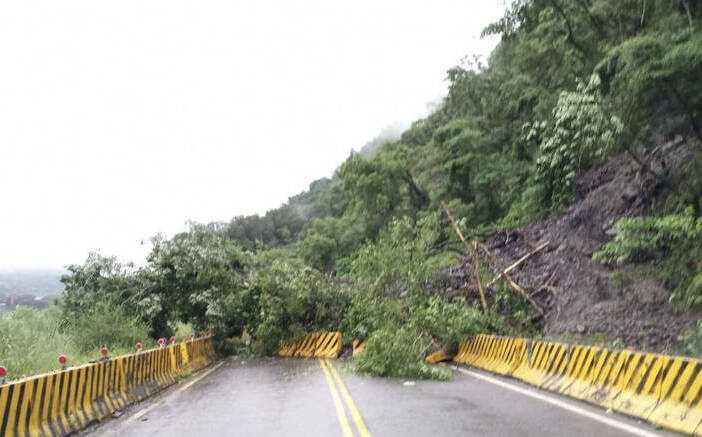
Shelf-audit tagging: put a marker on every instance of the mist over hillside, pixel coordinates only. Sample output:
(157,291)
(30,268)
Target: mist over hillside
(34,287)
(391,132)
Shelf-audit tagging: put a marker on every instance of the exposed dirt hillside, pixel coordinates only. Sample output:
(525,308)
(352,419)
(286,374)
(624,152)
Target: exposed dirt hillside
(582,297)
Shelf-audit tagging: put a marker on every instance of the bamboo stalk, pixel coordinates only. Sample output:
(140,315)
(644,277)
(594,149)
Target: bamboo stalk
(516,264)
(513,285)
(473,254)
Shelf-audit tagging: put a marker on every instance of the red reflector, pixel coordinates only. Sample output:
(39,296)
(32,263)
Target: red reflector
(161,341)
(62,359)
(3,372)
(104,351)
(138,345)
(173,339)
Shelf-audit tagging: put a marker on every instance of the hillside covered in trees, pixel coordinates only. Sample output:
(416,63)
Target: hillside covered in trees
(582,130)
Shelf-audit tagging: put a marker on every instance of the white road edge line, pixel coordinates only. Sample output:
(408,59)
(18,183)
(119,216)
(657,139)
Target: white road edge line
(566,406)
(127,421)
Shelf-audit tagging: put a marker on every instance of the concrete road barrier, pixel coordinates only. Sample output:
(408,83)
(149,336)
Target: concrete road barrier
(358,346)
(662,389)
(438,357)
(66,401)
(315,345)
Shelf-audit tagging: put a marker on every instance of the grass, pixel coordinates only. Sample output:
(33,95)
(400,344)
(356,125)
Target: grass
(31,340)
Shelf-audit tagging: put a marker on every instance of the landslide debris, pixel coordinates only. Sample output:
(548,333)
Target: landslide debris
(580,296)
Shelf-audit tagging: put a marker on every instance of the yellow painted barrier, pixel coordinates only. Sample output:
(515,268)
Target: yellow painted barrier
(438,357)
(316,345)
(358,346)
(66,401)
(665,390)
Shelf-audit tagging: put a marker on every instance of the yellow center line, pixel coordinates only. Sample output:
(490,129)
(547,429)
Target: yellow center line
(360,424)
(343,421)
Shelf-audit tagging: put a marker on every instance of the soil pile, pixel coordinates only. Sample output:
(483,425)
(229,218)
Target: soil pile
(577,294)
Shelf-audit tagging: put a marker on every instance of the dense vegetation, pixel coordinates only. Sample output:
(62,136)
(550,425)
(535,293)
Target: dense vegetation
(571,83)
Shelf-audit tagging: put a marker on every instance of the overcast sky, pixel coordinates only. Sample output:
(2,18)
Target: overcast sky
(119,120)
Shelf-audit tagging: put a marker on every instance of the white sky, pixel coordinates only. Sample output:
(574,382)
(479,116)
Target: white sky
(122,119)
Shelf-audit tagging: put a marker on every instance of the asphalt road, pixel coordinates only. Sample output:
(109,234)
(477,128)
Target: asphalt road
(296,397)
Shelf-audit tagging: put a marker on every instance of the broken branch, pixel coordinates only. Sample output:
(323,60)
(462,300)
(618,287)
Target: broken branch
(474,255)
(516,264)
(513,285)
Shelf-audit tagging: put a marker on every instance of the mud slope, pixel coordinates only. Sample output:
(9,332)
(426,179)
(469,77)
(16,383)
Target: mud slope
(583,298)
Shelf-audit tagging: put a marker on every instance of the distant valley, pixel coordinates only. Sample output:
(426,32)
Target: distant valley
(30,287)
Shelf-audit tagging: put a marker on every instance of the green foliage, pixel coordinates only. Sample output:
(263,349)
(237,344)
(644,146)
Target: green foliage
(521,318)
(644,238)
(99,280)
(692,344)
(282,226)
(366,314)
(395,265)
(360,251)
(674,240)
(193,272)
(380,188)
(449,322)
(107,325)
(399,353)
(389,296)
(581,133)
(32,340)
(329,239)
(656,69)
(292,300)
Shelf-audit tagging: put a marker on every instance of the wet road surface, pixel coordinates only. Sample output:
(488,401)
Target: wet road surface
(296,397)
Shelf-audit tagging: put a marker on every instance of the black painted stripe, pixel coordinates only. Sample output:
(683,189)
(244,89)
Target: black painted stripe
(31,404)
(20,398)
(80,412)
(41,409)
(49,416)
(6,414)
(58,407)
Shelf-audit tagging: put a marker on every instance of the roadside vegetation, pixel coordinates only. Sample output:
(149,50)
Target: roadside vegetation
(36,338)
(33,339)
(367,251)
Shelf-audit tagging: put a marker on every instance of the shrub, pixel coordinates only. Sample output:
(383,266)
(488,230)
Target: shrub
(293,300)
(673,240)
(31,342)
(450,321)
(107,326)
(583,131)
(399,353)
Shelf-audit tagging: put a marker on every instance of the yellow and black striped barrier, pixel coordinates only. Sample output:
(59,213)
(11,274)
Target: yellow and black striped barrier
(438,357)
(662,389)
(66,401)
(316,345)
(358,346)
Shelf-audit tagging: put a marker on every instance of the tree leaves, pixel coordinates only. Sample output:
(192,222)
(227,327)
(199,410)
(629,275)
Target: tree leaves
(580,133)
